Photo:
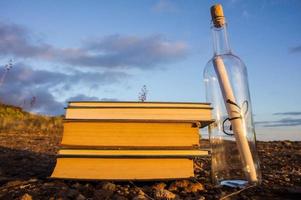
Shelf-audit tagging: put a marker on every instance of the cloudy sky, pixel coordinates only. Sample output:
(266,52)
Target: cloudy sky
(107,50)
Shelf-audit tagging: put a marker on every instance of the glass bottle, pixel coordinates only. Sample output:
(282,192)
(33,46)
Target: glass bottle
(232,136)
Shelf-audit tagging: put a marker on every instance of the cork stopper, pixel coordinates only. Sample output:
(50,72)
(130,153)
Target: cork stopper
(217,15)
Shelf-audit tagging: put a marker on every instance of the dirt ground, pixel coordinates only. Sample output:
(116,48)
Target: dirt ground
(28,158)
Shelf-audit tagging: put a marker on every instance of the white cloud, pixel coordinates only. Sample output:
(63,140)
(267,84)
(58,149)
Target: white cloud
(32,89)
(165,6)
(106,52)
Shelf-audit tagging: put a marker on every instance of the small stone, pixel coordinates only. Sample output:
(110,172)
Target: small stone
(72,193)
(172,187)
(140,197)
(147,189)
(49,184)
(109,186)
(159,186)
(33,180)
(80,197)
(164,194)
(13,183)
(287,143)
(26,197)
(76,185)
(118,197)
(182,183)
(24,186)
(194,187)
(102,194)
(140,192)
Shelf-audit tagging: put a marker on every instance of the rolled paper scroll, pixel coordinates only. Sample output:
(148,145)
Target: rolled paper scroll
(236,119)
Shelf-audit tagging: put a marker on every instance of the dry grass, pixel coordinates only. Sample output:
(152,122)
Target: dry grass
(13,118)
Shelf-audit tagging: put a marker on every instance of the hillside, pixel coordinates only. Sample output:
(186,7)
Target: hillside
(23,130)
(28,145)
(14,118)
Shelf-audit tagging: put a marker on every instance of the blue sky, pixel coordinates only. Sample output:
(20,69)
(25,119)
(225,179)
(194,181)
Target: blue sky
(107,50)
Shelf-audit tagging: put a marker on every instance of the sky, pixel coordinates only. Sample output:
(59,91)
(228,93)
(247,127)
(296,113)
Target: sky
(107,50)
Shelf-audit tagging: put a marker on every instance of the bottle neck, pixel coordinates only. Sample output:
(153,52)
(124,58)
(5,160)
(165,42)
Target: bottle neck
(220,40)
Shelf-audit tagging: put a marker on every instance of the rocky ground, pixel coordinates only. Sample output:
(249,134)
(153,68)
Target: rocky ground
(27,160)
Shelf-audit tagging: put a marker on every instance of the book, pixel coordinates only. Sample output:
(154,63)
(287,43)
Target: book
(130,134)
(139,113)
(86,168)
(131,140)
(104,153)
(136,104)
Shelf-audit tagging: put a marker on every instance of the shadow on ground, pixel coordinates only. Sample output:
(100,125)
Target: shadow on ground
(24,164)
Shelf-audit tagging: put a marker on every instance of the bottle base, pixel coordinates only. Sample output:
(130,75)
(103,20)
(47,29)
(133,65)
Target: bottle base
(234,183)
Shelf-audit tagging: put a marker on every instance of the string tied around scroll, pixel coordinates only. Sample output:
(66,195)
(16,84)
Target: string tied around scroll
(244,104)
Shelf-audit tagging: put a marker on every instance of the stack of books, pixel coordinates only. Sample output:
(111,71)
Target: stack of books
(131,140)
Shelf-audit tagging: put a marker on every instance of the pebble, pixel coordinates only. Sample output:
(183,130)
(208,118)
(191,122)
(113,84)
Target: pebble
(76,185)
(164,194)
(172,187)
(72,193)
(102,194)
(49,184)
(26,197)
(140,192)
(194,187)
(80,197)
(140,197)
(13,183)
(182,183)
(33,180)
(159,186)
(288,144)
(187,186)
(109,186)
(118,197)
